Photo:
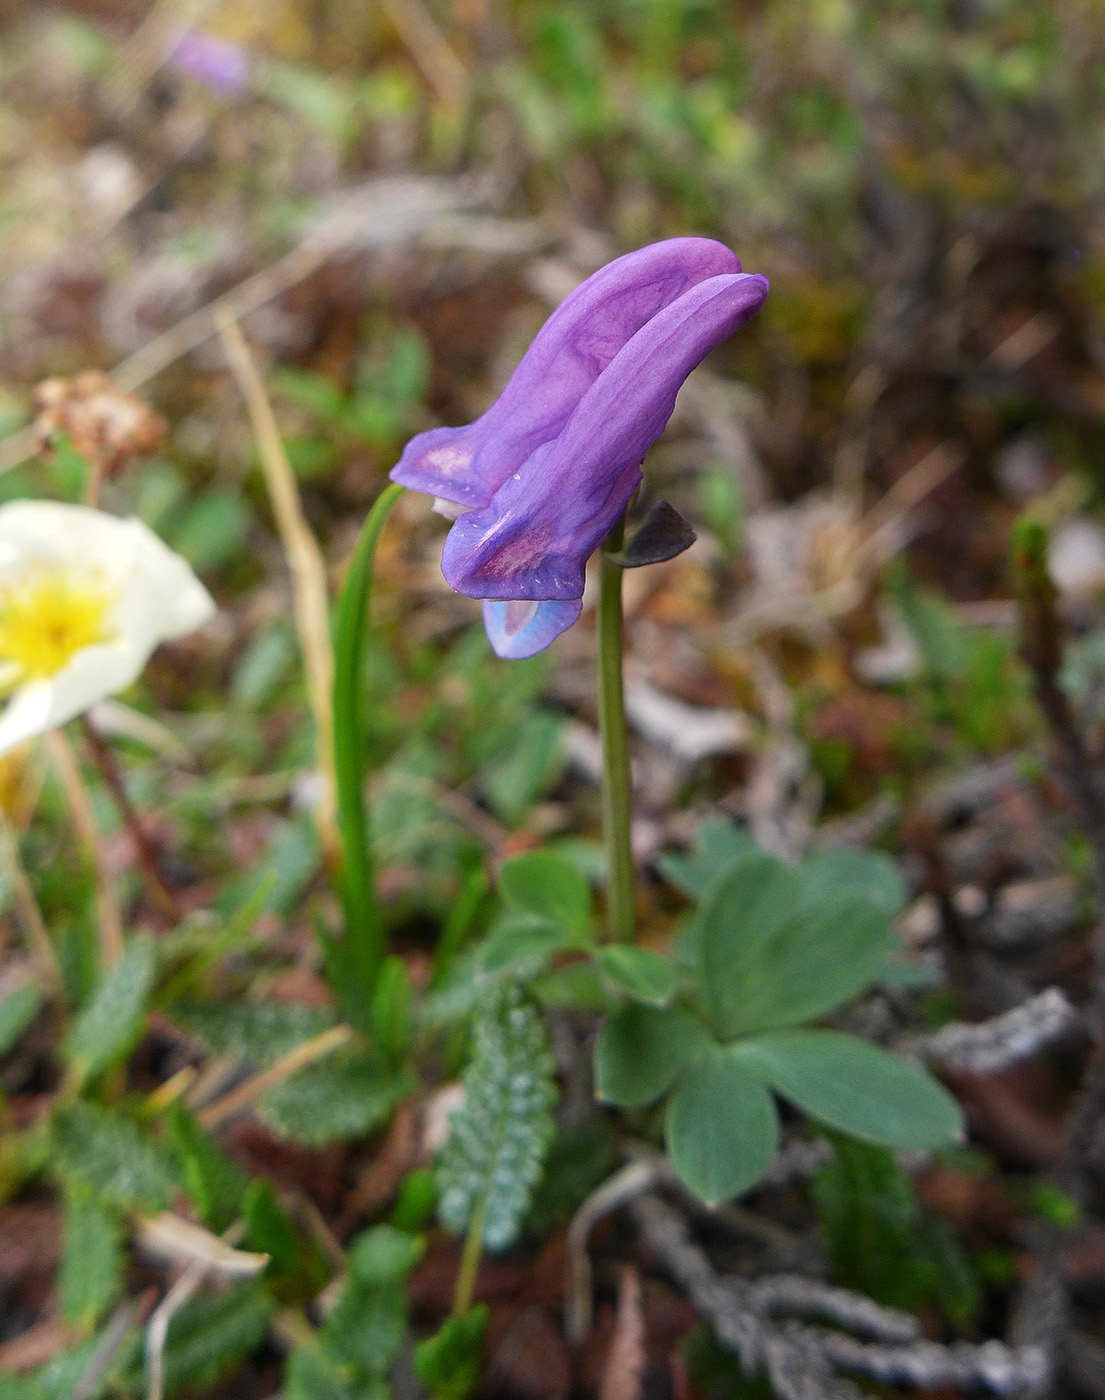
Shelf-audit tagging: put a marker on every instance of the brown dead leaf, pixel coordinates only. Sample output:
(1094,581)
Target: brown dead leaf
(531,1362)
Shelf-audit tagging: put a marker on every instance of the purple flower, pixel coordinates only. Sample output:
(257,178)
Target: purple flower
(213,62)
(544,474)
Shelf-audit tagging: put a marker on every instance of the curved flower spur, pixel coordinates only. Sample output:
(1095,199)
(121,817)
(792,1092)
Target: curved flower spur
(545,473)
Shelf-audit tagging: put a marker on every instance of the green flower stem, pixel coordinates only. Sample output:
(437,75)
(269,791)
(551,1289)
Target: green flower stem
(363,931)
(617,795)
(470,1258)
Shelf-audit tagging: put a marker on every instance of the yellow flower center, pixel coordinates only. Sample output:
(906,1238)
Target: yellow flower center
(46,617)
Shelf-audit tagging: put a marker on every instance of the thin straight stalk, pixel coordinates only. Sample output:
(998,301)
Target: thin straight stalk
(145,849)
(109,917)
(467,1274)
(310,599)
(617,793)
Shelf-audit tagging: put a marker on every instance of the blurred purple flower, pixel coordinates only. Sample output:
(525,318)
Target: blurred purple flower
(544,474)
(214,62)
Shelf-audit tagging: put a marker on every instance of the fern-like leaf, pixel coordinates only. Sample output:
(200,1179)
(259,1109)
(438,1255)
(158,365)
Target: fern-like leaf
(497,1141)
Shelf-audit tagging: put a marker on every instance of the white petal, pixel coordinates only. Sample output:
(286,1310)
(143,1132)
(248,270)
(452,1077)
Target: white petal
(27,713)
(155,597)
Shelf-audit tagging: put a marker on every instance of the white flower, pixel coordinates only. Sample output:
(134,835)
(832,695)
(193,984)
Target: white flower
(85,597)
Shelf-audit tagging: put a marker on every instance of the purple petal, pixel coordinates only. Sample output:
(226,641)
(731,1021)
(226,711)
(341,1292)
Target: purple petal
(518,629)
(535,537)
(222,66)
(582,336)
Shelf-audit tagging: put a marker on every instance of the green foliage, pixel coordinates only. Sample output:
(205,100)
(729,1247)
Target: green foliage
(57,1379)
(269,1228)
(110,1024)
(353,961)
(214,1182)
(498,1139)
(580,1158)
(210,1335)
(721,1126)
(645,975)
(379,409)
(719,845)
(392,1014)
(770,959)
(547,887)
(345,1095)
(857,1088)
(17,1010)
(880,1240)
(91,1274)
(528,760)
(111,1156)
(360,1339)
(211,531)
(768,947)
(975,682)
(643,1050)
(448,1363)
(260,1031)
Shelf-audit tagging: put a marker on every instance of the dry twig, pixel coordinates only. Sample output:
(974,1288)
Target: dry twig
(800,1361)
(309,592)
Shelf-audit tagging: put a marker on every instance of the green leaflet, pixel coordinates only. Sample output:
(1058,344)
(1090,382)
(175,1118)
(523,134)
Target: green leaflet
(112,1020)
(261,1031)
(91,1274)
(498,1139)
(111,1156)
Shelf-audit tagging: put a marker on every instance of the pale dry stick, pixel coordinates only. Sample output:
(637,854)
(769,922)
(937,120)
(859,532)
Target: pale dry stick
(157,1332)
(428,47)
(109,917)
(158,354)
(625,1185)
(30,916)
(239,1099)
(880,522)
(309,594)
(113,1337)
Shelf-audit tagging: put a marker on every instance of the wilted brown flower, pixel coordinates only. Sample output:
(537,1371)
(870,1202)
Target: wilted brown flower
(108,427)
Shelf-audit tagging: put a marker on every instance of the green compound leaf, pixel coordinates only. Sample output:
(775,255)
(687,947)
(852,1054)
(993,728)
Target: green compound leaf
(645,975)
(721,1127)
(384,1255)
(543,884)
(340,1097)
(17,1010)
(719,845)
(314,1374)
(498,1139)
(448,1364)
(869,874)
(857,1088)
(91,1274)
(642,1051)
(111,1156)
(364,1330)
(261,1031)
(768,959)
(110,1024)
(524,944)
